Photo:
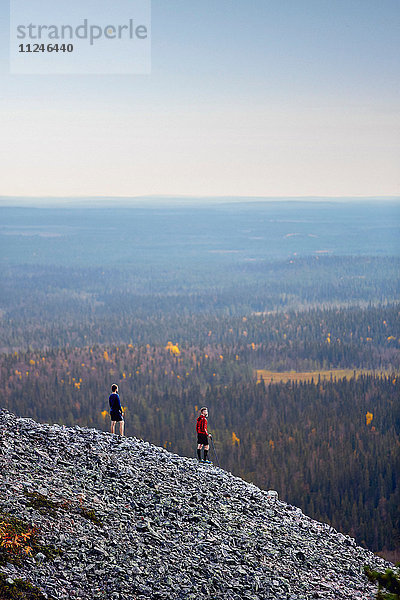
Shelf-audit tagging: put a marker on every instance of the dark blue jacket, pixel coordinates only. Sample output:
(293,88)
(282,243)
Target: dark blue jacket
(115,404)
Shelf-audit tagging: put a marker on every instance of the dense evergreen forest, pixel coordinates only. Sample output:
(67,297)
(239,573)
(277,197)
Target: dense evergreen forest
(116,306)
(180,307)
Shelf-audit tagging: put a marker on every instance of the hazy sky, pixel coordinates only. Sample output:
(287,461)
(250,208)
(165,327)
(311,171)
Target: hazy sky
(245,97)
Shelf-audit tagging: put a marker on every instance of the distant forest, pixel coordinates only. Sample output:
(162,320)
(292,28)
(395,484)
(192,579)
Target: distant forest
(181,306)
(142,305)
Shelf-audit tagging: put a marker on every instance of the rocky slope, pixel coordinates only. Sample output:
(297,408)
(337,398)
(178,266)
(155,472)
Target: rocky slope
(161,526)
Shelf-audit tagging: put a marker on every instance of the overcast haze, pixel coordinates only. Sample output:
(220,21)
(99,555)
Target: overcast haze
(264,98)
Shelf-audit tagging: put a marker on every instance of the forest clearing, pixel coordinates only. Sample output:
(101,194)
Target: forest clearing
(316,376)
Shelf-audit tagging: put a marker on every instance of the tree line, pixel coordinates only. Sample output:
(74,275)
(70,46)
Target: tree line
(346,337)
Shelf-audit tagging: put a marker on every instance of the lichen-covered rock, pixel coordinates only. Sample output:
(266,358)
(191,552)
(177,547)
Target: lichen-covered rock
(135,522)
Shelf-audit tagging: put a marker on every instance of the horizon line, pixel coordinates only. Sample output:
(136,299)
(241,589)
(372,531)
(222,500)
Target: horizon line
(228,197)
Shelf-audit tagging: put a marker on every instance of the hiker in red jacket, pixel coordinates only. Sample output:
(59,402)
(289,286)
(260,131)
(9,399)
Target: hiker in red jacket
(202,434)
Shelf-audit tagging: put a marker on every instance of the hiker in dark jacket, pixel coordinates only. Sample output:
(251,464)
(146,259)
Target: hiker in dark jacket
(202,434)
(116,410)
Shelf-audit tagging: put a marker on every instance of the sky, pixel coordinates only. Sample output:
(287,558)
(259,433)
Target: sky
(268,98)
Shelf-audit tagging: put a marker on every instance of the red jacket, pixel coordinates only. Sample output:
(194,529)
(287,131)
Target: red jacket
(201,425)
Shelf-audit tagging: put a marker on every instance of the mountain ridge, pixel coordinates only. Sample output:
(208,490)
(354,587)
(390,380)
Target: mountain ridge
(162,525)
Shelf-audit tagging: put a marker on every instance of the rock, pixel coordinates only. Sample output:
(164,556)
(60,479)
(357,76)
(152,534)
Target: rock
(40,557)
(135,521)
(272,496)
